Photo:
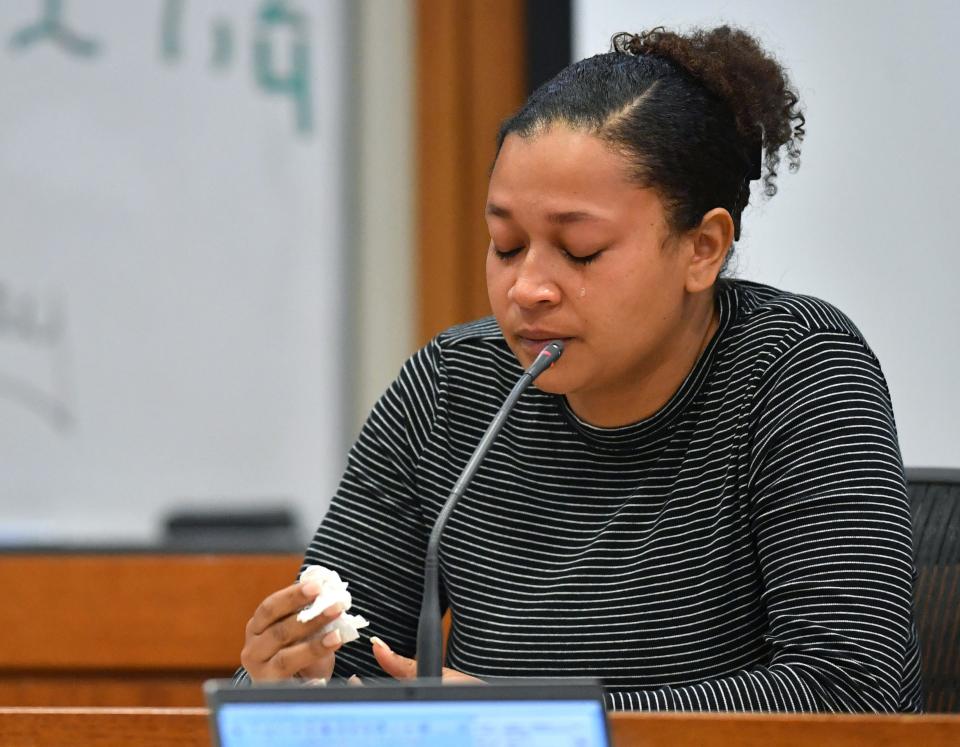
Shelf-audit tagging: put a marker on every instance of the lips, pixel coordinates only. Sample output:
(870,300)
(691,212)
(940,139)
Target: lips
(533,341)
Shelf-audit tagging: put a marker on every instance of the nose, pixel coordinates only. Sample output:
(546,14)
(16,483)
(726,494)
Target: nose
(533,285)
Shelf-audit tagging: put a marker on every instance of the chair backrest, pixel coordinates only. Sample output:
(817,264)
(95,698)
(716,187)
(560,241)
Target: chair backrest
(935,504)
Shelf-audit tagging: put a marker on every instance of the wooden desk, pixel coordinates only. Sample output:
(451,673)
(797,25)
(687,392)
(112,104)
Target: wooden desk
(187,727)
(126,629)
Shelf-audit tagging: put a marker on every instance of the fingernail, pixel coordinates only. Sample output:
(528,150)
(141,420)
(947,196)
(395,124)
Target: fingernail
(332,638)
(334,609)
(317,682)
(354,680)
(379,642)
(310,588)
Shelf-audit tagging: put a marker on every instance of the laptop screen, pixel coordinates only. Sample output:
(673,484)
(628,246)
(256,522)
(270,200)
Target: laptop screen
(441,723)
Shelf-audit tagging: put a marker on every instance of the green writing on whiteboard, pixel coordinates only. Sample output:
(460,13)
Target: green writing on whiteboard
(280,55)
(50,27)
(281,31)
(277,21)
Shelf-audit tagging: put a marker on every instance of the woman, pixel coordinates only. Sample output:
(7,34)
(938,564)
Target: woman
(703,502)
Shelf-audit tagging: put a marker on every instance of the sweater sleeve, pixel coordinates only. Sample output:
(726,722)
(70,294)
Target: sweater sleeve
(374,535)
(831,525)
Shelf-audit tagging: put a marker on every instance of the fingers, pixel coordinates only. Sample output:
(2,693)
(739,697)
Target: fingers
(403,668)
(278,646)
(453,677)
(281,604)
(315,657)
(286,632)
(393,664)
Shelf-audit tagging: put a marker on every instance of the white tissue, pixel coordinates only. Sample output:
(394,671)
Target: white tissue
(348,625)
(332,590)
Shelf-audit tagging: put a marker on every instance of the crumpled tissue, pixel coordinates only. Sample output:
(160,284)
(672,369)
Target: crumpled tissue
(332,590)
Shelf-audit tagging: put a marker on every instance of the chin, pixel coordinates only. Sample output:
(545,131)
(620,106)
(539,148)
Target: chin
(553,382)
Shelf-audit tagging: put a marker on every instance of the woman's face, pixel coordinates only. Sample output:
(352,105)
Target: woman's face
(580,253)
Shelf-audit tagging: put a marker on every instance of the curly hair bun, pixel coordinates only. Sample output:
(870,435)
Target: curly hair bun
(732,65)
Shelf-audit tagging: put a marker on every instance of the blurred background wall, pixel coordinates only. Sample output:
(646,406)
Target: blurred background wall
(867,222)
(224,224)
(175,312)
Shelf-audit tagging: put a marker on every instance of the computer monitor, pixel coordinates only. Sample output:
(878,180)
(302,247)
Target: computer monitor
(531,714)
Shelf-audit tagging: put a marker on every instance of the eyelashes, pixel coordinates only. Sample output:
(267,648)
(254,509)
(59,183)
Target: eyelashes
(510,253)
(583,260)
(505,255)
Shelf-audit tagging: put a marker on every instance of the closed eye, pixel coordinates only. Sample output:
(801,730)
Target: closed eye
(501,254)
(579,260)
(583,260)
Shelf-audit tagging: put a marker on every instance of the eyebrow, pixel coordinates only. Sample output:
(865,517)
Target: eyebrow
(570,216)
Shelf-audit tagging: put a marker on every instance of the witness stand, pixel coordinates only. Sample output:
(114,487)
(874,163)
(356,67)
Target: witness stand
(111,649)
(163,727)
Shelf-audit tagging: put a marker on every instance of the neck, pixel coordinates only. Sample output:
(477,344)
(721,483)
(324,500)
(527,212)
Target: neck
(648,391)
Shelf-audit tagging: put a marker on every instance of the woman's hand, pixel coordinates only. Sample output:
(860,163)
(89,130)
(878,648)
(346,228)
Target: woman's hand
(403,668)
(279,647)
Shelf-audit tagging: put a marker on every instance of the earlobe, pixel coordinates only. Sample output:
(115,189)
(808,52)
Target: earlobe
(712,240)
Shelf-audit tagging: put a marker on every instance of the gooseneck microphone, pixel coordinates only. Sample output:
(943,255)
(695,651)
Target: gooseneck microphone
(429,632)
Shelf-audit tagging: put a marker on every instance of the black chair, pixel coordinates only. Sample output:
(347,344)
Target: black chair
(935,505)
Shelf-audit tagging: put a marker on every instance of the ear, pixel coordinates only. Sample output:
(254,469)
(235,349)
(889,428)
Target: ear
(711,241)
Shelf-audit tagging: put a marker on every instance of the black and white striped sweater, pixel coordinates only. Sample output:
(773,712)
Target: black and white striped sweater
(745,548)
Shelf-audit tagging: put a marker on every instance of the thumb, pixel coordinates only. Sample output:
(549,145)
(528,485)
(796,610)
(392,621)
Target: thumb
(393,664)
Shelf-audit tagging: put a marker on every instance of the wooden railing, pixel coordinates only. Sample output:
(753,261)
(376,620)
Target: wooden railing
(126,629)
(139,629)
(159,727)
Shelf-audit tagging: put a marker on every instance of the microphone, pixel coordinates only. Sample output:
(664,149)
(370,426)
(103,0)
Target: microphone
(429,632)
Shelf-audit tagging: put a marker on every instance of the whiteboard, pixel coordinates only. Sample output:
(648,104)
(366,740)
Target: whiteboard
(172,261)
(867,223)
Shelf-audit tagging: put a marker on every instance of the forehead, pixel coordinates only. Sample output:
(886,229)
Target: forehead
(562,169)
(563,157)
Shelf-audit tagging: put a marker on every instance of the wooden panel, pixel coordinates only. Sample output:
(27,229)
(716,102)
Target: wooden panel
(470,76)
(497,87)
(126,629)
(187,612)
(141,727)
(801,730)
(440,128)
(188,727)
(157,688)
